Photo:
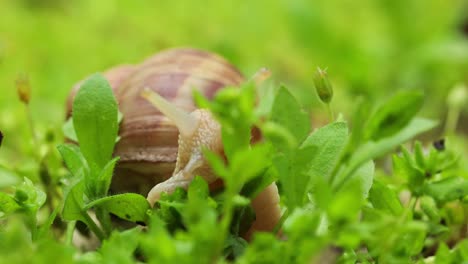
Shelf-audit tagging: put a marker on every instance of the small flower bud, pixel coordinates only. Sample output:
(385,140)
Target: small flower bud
(23,87)
(21,195)
(323,85)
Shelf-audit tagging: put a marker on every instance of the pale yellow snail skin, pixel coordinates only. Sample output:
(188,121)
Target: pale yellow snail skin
(163,145)
(199,130)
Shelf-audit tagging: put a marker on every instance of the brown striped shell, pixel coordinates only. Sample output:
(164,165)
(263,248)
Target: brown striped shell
(148,144)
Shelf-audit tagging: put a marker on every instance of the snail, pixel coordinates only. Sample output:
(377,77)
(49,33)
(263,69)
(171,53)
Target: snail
(162,132)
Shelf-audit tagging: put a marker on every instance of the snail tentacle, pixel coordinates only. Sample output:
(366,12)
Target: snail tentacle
(184,121)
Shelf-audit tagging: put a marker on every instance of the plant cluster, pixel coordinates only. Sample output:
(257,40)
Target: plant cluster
(337,208)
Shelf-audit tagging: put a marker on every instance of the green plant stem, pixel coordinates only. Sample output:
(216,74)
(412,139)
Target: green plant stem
(280,223)
(69,234)
(31,126)
(225,221)
(452,120)
(92,225)
(103,216)
(330,113)
(50,191)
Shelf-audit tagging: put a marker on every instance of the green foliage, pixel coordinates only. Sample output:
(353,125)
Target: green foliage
(337,206)
(95,120)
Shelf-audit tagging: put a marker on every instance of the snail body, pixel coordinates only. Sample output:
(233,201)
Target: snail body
(162,134)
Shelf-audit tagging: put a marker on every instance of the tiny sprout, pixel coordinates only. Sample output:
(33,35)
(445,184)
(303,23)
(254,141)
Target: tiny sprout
(23,87)
(323,85)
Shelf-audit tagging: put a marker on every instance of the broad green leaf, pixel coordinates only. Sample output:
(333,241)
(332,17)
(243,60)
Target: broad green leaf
(74,160)
(69,130)
(287,112)
(394,114)
(293,175)
(329,141)
(104,179)
(73,203)
(448,189)
(95,120)
(128,206)
(383,198)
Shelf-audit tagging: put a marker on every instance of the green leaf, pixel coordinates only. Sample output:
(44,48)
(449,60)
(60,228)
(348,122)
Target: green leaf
(74,160)
(293,175)
(8,205)
(73,203)
(372,150)
(128,206)
(69,130)
(383,198)
(95,120)
(256,185)
(34,197)
(443,254)
(412,242)
(429,207)
(287,112)
(104,179)
(120,247)
(405,168)
(258,157)
(363,177)
(198,189)
(448,189)
(395,114)
(329,141)
(234,247)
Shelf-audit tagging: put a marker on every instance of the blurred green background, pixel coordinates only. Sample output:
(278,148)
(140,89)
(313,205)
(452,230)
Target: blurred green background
(371,49)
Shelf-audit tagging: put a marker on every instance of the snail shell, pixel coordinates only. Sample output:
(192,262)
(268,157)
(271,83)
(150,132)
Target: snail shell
(150,146)
(148,139)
